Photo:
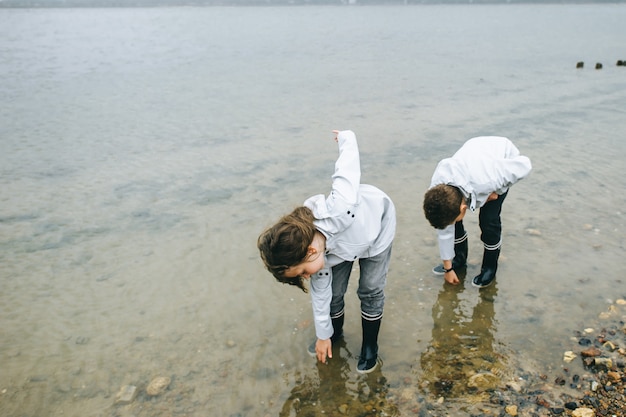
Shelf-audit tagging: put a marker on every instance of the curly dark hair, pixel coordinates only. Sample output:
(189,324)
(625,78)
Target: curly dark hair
(442,205)
(286,244)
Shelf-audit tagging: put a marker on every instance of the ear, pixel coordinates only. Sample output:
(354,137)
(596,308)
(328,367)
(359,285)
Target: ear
(311,250)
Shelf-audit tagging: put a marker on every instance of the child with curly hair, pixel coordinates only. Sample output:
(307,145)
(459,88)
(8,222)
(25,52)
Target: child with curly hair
(479,175)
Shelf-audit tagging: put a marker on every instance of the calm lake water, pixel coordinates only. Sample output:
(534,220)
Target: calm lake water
(142,151)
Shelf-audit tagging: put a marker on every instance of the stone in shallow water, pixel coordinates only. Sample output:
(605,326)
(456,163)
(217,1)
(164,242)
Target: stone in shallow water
(158,386)
(511,410)
(614,376)
(606,362)
(126,394)
(569,356)
(591,352)
(483,381)
(514,386)
(583,412)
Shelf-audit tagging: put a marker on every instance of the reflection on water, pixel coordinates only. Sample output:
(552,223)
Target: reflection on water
(338,390)
(463,357)
(464,363)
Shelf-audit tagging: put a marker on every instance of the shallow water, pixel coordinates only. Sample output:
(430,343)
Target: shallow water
(142,151)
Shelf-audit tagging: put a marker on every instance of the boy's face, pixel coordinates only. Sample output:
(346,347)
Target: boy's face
(313,263)
(463,210)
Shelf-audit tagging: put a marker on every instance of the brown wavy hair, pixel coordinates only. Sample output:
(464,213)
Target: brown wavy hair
(442,205)
(286,244)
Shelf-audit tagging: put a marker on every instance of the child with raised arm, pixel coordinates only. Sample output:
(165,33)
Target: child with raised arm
(479,175)
(319,242)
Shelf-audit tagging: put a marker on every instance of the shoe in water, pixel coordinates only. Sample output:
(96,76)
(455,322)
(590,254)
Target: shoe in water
(484,279)
(438,270)
(365,366)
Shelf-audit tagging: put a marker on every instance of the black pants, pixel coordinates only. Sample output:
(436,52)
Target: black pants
(490,224)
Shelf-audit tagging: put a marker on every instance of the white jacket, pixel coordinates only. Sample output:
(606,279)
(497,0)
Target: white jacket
(483,165)
(358,221)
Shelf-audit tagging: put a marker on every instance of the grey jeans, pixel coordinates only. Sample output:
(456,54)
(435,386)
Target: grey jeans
(371,289)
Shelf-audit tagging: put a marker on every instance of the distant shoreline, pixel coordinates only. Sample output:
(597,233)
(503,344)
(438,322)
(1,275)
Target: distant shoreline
(263,3)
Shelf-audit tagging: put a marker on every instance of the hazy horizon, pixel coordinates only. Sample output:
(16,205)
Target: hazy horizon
(140,3)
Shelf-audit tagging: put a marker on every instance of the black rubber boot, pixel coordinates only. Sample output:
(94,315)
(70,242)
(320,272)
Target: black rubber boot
(337,328)
(337,334)
(369,348)
(460,253)
(488,269)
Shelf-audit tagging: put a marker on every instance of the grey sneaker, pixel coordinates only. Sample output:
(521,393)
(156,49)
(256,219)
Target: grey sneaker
(311,349)
(438,270)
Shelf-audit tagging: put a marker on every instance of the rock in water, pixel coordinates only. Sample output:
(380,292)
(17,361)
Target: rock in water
(158,386)
(126,394)
(511,410)
(569,356)
(483,381)
(583,412)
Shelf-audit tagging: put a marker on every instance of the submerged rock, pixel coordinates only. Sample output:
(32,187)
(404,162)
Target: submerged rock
(511,410)
(484,381)
(583,412)
(158,386)
(591,352)
(606,362)
(126,394)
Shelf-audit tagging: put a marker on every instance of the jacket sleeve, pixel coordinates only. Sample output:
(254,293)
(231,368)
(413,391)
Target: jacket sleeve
(446,242)
(347,176)
(321,293)
(335,212)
